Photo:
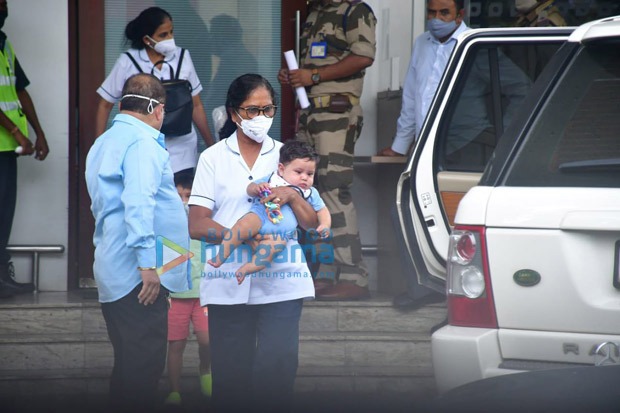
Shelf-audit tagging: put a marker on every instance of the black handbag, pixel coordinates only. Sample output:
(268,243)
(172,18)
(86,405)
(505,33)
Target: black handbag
(179,104)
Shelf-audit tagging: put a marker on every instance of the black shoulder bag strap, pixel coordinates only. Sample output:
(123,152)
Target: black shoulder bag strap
(141,71)
(134,62)
(180,63)
(172,75)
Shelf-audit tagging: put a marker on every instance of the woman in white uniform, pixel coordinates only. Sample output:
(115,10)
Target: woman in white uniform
(152,41)
(254,327)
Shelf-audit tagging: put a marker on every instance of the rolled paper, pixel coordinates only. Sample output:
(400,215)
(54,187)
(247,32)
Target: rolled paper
(291,61)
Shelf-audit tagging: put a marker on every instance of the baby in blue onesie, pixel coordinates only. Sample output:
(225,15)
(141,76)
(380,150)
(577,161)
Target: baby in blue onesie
(296,169)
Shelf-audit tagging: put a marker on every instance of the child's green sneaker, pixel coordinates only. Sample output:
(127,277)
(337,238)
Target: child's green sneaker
(206,384)
(173,398)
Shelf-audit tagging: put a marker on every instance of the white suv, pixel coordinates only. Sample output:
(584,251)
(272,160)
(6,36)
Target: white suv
(531,257)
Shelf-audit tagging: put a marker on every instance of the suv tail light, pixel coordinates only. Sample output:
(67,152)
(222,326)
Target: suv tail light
(470,294)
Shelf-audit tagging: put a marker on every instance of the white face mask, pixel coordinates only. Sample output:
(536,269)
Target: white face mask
(256,128)
(150,108)
(165,47)
(524,5)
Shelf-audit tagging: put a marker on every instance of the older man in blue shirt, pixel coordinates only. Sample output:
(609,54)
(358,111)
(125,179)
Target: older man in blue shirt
(135,205)
(429,58)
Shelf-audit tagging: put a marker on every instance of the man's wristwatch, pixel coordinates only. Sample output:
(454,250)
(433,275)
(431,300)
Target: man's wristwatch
(316,77)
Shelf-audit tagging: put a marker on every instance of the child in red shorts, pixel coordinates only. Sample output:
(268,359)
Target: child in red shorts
(185,307)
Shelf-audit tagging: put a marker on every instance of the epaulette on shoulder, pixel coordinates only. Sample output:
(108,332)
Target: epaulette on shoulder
(346,13)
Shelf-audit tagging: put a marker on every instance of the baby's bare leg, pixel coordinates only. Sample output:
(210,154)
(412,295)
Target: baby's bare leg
(244,229)
(263,256)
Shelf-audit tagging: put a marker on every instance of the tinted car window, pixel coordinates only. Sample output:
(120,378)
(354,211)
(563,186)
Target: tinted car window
(575,139)
(488,92)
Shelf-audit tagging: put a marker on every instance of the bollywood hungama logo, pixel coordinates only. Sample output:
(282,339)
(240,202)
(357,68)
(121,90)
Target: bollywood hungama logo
(169,254)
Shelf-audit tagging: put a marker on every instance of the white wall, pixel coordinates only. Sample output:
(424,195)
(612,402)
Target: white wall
(398,23)
(39,32)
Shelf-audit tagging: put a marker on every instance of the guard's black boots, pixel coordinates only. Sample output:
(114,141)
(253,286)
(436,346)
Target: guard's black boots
(8,285)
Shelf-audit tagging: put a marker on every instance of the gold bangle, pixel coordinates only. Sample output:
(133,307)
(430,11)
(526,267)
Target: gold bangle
(146,268)
(14,130)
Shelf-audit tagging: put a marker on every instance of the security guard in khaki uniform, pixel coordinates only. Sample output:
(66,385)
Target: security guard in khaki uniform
(337,44)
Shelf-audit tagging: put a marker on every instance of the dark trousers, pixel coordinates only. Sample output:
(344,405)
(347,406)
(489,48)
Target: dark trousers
(8,197)
(254,353)
(139,337)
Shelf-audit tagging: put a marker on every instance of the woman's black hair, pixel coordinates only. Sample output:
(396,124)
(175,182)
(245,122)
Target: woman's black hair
(238,92)
(145,24)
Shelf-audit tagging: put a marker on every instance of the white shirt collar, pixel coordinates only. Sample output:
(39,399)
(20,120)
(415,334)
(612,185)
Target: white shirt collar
(143,55)
(233,144)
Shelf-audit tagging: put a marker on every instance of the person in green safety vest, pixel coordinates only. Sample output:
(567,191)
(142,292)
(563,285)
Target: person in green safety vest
(16,111)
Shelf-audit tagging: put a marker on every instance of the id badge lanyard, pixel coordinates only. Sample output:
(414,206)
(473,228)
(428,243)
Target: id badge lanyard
(318,50)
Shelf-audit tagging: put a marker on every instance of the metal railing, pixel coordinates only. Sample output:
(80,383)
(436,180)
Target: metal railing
(35,251)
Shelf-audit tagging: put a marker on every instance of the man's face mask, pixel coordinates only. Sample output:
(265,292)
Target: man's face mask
(440,29)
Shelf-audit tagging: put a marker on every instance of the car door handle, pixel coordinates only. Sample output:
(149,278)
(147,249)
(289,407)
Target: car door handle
(591,221)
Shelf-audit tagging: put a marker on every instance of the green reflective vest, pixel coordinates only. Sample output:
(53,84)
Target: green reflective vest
(9,103)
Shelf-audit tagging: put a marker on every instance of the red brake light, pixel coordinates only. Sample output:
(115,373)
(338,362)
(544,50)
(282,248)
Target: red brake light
(466,247)
(470,294)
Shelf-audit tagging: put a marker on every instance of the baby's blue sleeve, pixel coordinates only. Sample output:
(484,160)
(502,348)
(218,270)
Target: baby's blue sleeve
(315,200)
